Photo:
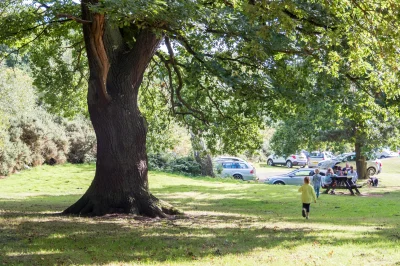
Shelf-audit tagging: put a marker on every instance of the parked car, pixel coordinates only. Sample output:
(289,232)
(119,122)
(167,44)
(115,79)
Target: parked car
(290,161)
(238,169)
(221,159)
(386,153)
(228,158)
(373,166)
(295,177)
(318,156)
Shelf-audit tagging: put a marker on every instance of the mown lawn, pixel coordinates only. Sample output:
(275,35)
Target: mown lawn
(227,222)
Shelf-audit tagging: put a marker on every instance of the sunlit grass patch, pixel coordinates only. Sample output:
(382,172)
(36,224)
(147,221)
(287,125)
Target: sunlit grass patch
(226,222)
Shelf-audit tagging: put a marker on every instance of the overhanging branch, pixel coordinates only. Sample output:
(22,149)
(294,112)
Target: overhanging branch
(180,81)
(79,20)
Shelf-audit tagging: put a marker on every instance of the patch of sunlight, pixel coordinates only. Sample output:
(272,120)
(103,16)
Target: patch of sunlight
(321,226)
(13,197)
(203,196)
(185,234)
(57,236)
(212,213)
(39,252)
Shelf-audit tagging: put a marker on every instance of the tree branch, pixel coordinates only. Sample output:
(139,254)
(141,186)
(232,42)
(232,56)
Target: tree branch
(171,85)
(309,20)
(180,82)
(23,45)
(71,17)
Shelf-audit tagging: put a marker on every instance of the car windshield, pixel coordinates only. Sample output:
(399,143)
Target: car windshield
(292,173)
(342,156)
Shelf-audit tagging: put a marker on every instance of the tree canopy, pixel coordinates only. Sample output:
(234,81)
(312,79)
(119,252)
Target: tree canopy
(224,67)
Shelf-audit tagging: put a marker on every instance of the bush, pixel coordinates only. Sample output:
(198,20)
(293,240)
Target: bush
(185,165)
(32,140)
(158,161)
(170,163)
(14,156)
(82,141)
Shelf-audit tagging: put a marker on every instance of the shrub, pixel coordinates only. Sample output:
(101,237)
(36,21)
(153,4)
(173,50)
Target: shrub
(82,141)
(158,161)
(14,156)
(168,162)
(32,139)
(43,135)
(185,165)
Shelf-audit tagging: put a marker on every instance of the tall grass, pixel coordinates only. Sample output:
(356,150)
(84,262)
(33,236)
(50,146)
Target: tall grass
(227,222)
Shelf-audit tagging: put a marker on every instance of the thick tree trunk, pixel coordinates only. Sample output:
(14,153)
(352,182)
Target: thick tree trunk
(120,184)
(202,156)
(361,163)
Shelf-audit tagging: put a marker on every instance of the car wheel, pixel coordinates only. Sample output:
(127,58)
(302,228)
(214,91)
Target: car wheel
(371,171)
(270,162)
(289,164)
(237,176)
(279,183)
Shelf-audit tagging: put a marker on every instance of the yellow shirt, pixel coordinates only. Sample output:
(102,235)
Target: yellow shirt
(307,193)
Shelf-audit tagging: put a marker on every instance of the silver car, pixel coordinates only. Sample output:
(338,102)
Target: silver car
(295,177)
(290,161)
(237,169)
(317,157)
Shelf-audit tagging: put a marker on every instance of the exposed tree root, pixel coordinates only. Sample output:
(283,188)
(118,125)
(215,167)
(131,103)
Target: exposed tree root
(148,207)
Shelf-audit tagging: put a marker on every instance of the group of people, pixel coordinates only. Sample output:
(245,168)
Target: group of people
(320,181)
(310,192)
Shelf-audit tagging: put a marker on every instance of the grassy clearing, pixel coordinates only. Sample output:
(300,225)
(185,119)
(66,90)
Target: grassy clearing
(228,222)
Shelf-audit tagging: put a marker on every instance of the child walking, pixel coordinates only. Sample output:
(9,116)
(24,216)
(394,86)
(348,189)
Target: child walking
(307,195)
(317,182)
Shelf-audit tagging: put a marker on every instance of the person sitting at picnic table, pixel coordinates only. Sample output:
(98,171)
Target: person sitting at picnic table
(346,169)
(328,179)
(353,174)
(338,171)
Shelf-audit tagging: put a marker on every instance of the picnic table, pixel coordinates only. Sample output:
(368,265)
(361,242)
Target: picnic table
(342,182)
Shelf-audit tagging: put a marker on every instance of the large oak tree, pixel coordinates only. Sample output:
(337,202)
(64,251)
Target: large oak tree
(221,69)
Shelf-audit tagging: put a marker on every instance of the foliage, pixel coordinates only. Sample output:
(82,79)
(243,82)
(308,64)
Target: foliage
(175,164)
(227,64)
(39,137)
(14,156)
(31,140)
(335,125)
(230,64)
(58,75)
(82,140)
(17,95)
(43,135)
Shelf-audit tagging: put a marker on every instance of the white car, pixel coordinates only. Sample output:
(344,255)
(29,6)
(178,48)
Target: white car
(221,159)
(239,170)
(373,166)
(228,158)
(290,161)
(386,153)
(317,156)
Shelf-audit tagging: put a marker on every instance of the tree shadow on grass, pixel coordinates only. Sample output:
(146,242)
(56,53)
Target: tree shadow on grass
(30,235)
(125,240)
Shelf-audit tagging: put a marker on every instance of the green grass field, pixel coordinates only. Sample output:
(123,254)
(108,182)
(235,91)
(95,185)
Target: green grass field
(227,222)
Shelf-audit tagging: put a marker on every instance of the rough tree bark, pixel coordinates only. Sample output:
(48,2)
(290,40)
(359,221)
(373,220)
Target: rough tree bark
(201,155)
(120,184)
(361,163)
